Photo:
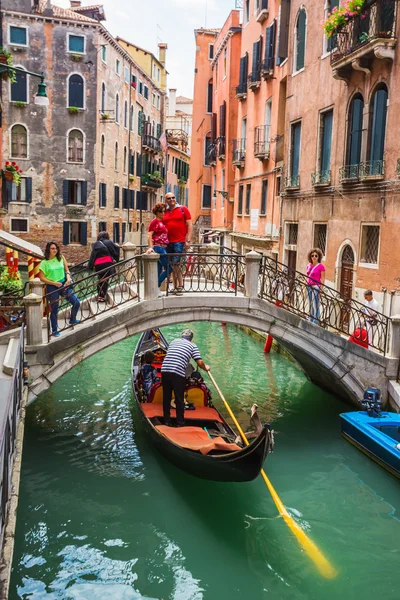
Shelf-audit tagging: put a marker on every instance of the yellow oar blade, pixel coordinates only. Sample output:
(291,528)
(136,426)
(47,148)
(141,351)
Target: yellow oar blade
(322,564)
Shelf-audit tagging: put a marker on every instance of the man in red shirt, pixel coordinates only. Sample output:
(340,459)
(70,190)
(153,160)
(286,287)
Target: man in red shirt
(178,222)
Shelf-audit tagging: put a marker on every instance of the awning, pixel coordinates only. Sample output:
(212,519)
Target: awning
(14,242)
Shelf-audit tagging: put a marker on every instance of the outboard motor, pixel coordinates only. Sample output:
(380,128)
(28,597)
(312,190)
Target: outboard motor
(372,401)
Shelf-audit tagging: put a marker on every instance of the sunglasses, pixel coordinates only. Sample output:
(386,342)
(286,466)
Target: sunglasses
(170,198)
(314,255)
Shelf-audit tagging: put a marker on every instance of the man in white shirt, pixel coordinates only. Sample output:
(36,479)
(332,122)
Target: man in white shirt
(371,307)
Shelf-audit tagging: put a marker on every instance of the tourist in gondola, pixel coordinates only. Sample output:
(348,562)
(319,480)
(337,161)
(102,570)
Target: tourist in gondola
(104,254)
(315,278)
(150,375)
(158,241)
(173,374)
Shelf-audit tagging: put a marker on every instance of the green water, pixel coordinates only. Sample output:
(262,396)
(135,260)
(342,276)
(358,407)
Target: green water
(103,516)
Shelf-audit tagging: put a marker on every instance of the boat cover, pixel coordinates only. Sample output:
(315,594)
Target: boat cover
(206,413)
(195,438)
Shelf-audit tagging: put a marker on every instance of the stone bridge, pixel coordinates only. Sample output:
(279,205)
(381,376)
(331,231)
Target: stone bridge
(327,358)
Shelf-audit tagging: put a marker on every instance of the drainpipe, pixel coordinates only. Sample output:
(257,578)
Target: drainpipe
(384,290)
(130,125)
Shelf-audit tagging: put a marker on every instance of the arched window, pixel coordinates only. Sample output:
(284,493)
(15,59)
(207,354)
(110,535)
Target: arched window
(19,141)
(378,104)
(103,98)
(19,89)
(76,91)
(126,114)
(300,40)
(116,157)
(102,150)
(354,135)
(117,108)
(125,157)
(75,146)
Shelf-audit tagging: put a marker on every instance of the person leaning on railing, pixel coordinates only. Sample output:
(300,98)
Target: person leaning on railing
(157,238)
(315,278)
(54,272)
(104,254)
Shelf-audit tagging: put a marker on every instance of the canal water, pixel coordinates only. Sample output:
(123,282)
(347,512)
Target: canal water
(103,516)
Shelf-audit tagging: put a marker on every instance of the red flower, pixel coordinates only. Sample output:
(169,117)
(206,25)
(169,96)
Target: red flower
(7,163)
(20,170)
(13,163)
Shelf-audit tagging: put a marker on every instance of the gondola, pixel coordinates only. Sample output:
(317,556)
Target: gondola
(206,447)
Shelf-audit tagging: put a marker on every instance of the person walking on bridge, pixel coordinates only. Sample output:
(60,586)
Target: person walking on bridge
(173,374)
(178,222)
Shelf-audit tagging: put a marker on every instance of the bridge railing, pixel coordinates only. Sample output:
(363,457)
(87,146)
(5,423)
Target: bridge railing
(117,284)
(324,306)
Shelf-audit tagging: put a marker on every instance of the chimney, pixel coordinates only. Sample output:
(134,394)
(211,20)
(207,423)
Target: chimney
(162,53)
(172,102)
(75,3)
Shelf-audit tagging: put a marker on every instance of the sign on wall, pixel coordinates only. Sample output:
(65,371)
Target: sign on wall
(253,219)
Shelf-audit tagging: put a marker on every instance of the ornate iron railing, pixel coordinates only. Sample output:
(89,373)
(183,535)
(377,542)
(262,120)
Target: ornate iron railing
(241,89)
(321,178)
(254,77)
(372,168)
(9,424)
(239,151)
(261,140)
(117,284)
(349,173)
(151,143)
(292,182)
(321,305)
(376,21)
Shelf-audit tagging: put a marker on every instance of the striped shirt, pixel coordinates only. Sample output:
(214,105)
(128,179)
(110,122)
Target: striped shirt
(178,355)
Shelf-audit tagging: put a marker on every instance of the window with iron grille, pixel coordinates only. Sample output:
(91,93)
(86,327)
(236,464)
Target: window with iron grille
(370,244)
(320,230)
(291,234)
(19,225)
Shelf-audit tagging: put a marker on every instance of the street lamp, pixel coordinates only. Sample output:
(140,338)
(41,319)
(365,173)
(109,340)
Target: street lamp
(41,98)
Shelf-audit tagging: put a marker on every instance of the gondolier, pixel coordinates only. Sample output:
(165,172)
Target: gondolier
(173,374)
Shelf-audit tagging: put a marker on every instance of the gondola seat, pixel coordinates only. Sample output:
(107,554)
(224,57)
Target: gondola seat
(195,438)
(196,395)
(204,413)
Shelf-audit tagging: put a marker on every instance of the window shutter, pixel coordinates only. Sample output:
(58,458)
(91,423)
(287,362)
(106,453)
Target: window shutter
(116,196)
(222,119)
(7,192)
(104,194)
(84,233)
(131,198)
(256,59)
(176,190)
(283,31)
(355,137)
(270,46)
(140,122)
(28,189)
(301,39)
(84,193)
(241,72)
(65,191)
(326,141)
(65,233)
(246,67)
(214,127)
(138,165)
(124,198)
(379,125)
(158,130)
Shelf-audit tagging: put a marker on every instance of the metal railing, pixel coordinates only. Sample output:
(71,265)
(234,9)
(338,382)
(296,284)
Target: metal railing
(254,77)
(239,150)
(9,426)
(292,182)
(241,89)
(117,284)
(376,21)
(211,154)
(372,168)
(321,304)
(261,140)
(349,173)
(321,178)
(151,143)
(221,146)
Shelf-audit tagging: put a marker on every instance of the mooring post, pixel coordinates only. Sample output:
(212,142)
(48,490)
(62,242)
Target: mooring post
(150,274)
(33,315)
(252,271)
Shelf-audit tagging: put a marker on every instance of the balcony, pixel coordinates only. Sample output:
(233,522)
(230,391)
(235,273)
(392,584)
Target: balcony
(254,79)
(262,142)
(262,13)
(349,174)
(151,144)
(241,90)
(267,68)
(221,147)
(292,183)
(365,37)
(177,137)
(211,156)
(150,183)
(372,170)
(321,178)
(239,153)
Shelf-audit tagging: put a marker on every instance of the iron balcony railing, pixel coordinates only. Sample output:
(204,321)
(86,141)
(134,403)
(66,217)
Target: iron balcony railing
(349,173)
(262,141)
(211,155)
(292,182)
(321,305)
(267,66)
(255,77)
(376,21)
(241,89)
(321,178)
(151,143)
(372,168)
(239,151)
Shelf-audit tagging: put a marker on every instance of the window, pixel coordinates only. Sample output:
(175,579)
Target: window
(104,53)
(146,92)
(209,96)
(116,156)
(132,163)
(117,108)
(74,232)
(127,74)
(118,66)
(158,74)
(378,128)
(243,69)
(123,233)
(206,199)
(75,146)
(320,230)
(76,89)
(19,225)
(325,141)
(140,122)
(300,40)
(125,157)
(225,60)
(264,197)
(19,89)
(246,15)
(74,192)
(102,226)
(116,196)
(19,141)
(248,199)
(292,231)
(126,114)
(369,244)
(256,62)
(269,47)
(240,200)
(103,97)
(140,87)
(102,195)
(244,131)
(283,36)
(102,150)
(295,152)
(210,51)
(207,150)
(153,99)
(19,193)
(354,136)
(76,44)
(18,36)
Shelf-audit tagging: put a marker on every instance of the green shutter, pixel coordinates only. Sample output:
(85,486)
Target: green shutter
(301,39)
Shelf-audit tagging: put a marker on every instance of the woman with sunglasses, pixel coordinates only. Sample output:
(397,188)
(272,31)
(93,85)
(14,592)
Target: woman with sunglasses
(315,277)
(157,238)
(54,272)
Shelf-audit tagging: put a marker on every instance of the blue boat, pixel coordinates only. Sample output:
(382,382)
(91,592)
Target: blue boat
(375,433)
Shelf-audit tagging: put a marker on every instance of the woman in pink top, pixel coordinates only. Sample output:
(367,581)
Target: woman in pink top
(315,277)
(158,241)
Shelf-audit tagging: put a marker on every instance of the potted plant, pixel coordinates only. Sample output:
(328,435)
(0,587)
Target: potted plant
(132,178)
(73,110)
(182,181)
(12,172)
(105,116)
(6,59)
(156,176)
(341,14)
(77,57)
(19,104)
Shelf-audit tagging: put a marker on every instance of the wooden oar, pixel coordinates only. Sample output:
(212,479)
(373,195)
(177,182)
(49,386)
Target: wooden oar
(323,565)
